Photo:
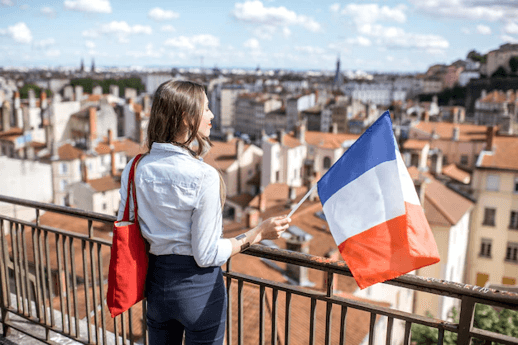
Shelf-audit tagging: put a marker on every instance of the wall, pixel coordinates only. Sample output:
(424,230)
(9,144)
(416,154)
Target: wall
(25,180)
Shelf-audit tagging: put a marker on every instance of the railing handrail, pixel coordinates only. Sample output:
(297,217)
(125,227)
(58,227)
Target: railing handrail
(430,285)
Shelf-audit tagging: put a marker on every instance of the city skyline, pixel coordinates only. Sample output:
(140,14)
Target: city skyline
(384,35)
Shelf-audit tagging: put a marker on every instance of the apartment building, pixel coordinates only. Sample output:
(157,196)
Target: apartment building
(500,58)
(251,110)
(494,227)
(498,108)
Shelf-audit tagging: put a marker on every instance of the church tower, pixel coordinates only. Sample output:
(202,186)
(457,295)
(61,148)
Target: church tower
(339,79)
(93,66)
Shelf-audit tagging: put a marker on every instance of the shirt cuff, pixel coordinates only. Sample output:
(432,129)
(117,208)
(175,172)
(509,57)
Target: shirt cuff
(224,251)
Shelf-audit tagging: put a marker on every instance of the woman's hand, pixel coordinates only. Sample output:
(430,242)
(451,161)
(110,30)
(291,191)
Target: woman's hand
(272,228)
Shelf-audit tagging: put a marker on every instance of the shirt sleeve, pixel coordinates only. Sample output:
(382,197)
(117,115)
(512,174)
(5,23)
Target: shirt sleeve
(208,248)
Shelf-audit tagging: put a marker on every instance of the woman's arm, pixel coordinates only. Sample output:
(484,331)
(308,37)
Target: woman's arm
(270,229)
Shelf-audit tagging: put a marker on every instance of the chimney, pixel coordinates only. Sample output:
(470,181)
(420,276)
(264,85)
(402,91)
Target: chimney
(334,128)
(483,94)
(68,93)
(32,98)
(262,200)
(240,147)
(26,119)
(489,138)
(112,160)
(298,241)
(436,166)
(6,116)
(43,101)
(420,187)
(110,138)
(84,169)
(2,96)
(301,131)
(316,96)
(17,100)
(114,90)
(146,104)
(280,136)
(456,133)
(508,95)
(92,128)
(426,116)
(79,93)
(97,90)
(229,136)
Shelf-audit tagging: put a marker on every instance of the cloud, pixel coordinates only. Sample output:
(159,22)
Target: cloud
(149,52)
(397,38)
(167,28)
(121,30)
(52,53)
(159,14)
(254,12)
(465,31)
(8,3)
(192,42)
(44,44)
(19,32)
(360,41)
(372,13)
(90,44)
(24,7)
(48,11)
(511,28)
(468,9)
(251,43)
(335,8)
(483,29)
(508,39)
(91,6)
(310,50)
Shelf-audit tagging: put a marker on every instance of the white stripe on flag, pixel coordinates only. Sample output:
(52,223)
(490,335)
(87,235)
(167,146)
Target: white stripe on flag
(369,200)
(409,193)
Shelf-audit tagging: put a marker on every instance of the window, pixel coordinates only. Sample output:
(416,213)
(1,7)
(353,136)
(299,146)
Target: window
(512,252)
(63,185)
(492,182)
(489,216)
(515,185)
(277,176)
(327,162)
(63,168)
(444,160)
(104,207)
(485,248)
(464,159)
(513,222)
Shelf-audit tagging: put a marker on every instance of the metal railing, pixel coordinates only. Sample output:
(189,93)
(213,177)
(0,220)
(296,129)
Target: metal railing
(55,280)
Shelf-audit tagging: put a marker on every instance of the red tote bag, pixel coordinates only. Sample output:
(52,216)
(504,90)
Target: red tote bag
(129,258)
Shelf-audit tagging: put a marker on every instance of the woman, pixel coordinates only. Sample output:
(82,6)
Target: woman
(180,200)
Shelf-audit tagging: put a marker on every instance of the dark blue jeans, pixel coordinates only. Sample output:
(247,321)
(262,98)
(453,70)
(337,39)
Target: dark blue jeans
(183,298)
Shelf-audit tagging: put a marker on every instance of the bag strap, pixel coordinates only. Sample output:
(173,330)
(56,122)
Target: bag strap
(131,187)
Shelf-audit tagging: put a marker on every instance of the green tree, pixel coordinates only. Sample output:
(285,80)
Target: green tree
(486,317)
(513,64)
(89,83)
(24,91)
(476,56)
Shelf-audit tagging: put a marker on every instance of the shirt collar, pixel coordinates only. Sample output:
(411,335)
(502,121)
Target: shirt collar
(167,147)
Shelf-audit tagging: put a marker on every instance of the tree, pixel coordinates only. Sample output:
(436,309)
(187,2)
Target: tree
(24,91)
(476,56)
(513,64)
(486,317)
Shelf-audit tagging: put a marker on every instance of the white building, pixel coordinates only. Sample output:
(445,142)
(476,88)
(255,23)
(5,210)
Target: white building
(98,195)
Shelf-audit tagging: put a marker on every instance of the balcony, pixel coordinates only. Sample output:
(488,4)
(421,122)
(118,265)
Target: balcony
(53,286)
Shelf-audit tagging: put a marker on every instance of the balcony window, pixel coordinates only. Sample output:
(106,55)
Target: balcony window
(515,185)
(513,221)
(464,159)
(485,248)
(327,162)
(492,182)
(63,168)
(512,252)
(489,216)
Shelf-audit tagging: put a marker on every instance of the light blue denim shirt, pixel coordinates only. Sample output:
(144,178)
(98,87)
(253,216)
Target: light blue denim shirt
(179,206)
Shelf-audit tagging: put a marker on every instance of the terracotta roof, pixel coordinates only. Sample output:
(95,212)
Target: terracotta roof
(67,152)
(137,107)
(241,199)
(505,154)
(467,132)
(442,206)
(457,174)
(11,134)
(126,145)
(94,98)
(105,183)
(328,140)
(498,96)
(223,153)
(415,144)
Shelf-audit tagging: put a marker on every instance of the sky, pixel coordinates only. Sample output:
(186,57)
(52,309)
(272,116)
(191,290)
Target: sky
(373,36)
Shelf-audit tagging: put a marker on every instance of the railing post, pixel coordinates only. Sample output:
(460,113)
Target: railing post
(4,296)
(467,311)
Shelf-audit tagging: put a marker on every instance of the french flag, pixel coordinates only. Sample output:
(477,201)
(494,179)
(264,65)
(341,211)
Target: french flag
(373,211)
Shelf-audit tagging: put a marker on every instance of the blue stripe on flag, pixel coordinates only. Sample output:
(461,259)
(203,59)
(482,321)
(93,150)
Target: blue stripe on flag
(375,146)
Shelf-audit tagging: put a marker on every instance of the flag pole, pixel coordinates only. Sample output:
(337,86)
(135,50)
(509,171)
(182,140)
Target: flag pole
(302,200)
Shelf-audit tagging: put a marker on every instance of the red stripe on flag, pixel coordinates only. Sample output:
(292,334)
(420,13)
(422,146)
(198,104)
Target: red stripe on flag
(391,249)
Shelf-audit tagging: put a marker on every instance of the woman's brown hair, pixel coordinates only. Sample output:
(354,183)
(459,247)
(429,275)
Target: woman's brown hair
(177,107)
